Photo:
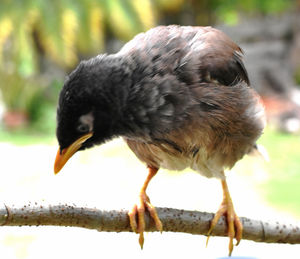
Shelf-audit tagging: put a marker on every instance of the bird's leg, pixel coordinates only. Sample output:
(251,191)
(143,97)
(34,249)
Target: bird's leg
(235,227)
(137,214)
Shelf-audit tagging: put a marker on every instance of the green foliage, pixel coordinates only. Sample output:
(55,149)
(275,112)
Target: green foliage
(31,96)
(24,137)
(282,187)
(63,28)
(297,76)
(229,11)
(18,95)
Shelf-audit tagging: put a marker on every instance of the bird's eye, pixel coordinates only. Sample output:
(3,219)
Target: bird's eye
(83,128)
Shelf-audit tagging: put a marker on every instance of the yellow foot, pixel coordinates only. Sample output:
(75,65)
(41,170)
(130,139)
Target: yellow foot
(137,216)
(235,227)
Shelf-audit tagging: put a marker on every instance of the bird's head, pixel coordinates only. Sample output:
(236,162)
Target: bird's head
(86,112)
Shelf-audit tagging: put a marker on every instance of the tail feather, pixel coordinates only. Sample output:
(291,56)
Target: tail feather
(260,151)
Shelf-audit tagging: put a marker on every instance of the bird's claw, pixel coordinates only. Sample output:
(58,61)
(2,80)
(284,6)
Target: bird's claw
(137,217)
(235,227)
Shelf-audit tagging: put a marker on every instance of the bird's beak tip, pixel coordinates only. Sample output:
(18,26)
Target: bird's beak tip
(65,154)
(59,161)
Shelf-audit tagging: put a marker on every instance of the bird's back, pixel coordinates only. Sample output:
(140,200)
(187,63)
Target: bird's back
(192,53)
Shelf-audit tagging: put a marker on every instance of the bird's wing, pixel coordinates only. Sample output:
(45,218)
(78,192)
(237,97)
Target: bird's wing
(213,57)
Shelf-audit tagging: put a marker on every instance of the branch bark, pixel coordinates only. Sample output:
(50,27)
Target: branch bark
(174,220)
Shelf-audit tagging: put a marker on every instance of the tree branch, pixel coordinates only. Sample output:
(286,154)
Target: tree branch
(173,220)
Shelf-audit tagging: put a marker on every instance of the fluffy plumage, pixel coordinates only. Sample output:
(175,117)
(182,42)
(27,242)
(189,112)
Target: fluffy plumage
(178,95)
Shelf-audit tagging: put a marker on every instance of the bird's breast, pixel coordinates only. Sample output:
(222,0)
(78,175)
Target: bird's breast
(159,154)
(164,155)
(179,149)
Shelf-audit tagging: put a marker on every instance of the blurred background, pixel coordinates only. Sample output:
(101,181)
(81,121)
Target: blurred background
(42,41)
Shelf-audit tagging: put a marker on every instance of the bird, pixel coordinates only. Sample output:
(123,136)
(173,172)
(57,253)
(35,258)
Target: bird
(179,96)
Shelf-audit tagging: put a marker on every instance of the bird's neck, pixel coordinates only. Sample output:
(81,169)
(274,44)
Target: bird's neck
(134,98)
(109,88)
(124,79)
(124,94)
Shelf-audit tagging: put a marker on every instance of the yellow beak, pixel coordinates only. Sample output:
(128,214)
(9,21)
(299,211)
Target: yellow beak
(63,156)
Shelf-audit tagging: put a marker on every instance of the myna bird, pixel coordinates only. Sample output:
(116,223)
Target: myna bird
(179,96)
